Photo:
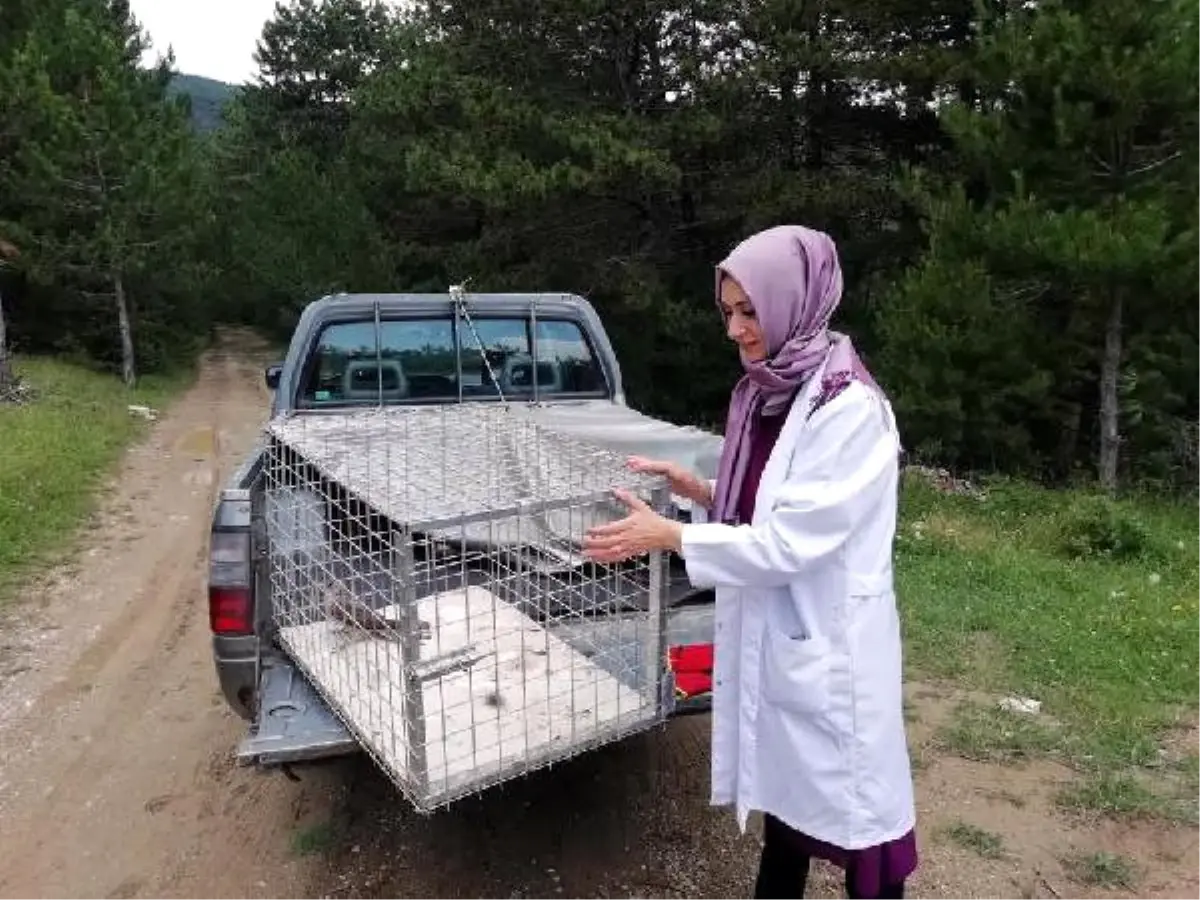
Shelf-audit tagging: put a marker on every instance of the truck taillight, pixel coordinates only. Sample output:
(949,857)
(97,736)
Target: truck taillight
(229,611)
(230,606)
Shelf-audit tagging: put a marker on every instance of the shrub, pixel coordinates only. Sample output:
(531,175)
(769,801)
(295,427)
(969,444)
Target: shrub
(1100,527)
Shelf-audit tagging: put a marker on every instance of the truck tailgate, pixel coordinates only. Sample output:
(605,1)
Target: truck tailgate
(294,724)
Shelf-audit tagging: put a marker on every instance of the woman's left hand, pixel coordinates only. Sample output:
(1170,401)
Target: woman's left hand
(640,532)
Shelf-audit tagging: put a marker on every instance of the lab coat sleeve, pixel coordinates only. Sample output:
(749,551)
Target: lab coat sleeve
(847,457)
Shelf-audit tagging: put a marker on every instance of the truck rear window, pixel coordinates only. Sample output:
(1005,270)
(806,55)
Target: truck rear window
(418,361)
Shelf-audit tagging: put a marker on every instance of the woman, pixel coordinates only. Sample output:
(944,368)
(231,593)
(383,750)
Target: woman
(808,724)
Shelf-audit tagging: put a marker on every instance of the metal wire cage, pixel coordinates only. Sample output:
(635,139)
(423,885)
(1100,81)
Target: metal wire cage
(425,574)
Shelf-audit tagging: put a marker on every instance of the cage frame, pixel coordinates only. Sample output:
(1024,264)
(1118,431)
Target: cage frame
(415,782)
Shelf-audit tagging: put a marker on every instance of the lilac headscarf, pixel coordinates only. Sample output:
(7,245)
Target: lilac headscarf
(793,279)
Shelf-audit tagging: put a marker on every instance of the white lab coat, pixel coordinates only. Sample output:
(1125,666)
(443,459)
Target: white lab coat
(808,718)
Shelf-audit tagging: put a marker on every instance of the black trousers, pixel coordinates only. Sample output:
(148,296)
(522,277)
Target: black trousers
(783,867)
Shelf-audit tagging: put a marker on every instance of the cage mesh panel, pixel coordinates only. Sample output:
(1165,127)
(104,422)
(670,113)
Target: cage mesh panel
(425,572)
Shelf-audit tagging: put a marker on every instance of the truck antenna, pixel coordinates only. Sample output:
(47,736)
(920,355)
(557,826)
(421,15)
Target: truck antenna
(458,296)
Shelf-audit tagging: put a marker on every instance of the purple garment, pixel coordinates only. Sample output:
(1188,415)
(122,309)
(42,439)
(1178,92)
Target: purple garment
(872,868)
(764,433)
(793,279)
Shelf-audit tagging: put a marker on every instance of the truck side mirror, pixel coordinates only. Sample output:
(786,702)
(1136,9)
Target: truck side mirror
(273,374)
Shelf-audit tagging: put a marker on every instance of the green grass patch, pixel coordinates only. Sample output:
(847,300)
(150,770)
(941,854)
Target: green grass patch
(1111,794)
(1086,604)
(985,843)
(988,734)
(1130,795)
(55,452)
(1189,770)
(1102,869)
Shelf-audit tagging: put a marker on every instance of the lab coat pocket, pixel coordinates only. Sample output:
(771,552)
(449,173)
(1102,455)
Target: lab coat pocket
(796,674)
(859,584)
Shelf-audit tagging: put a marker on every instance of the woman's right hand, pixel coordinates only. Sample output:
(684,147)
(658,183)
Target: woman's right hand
(682,482)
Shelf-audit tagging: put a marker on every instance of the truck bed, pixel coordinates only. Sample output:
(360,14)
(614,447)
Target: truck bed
(295,724)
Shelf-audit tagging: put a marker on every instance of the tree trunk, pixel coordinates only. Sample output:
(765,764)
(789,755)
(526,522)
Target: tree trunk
(6,375)
(1110,406)
(128,368)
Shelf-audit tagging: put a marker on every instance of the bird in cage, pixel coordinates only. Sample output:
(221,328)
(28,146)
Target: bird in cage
(343,607)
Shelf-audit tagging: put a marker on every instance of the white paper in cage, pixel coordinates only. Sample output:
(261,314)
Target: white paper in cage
(551,698)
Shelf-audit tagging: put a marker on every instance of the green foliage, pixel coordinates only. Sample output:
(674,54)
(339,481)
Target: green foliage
(316,838)
(293,230)
(1067,201)
(985,843)
(991,734)
(1100,527)
(1103,869)
(960,358)
(312,56)
(57,450)
(100,191)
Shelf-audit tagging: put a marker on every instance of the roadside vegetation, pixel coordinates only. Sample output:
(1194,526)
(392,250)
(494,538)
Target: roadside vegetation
(56,447)
(1070,620)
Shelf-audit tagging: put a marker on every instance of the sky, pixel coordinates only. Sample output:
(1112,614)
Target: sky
(214,38)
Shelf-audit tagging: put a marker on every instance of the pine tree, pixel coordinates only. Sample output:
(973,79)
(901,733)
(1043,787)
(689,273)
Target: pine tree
(1074,162)
(96,184)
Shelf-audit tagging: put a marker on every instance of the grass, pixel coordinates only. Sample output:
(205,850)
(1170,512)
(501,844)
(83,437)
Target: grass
(1087,605)
(1113,793)
(1189,770)
(971,837)
(1125,794)
(56,451)
(991,734)
(1101,869)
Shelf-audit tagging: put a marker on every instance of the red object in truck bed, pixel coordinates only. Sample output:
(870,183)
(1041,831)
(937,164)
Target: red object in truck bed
(692,666)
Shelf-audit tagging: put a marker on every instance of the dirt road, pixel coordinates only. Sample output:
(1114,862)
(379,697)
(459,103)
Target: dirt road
(116,777)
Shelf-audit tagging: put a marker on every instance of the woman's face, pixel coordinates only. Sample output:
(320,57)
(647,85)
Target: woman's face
(741,324)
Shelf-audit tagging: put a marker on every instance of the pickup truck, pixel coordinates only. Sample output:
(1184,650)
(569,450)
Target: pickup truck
(550,349)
